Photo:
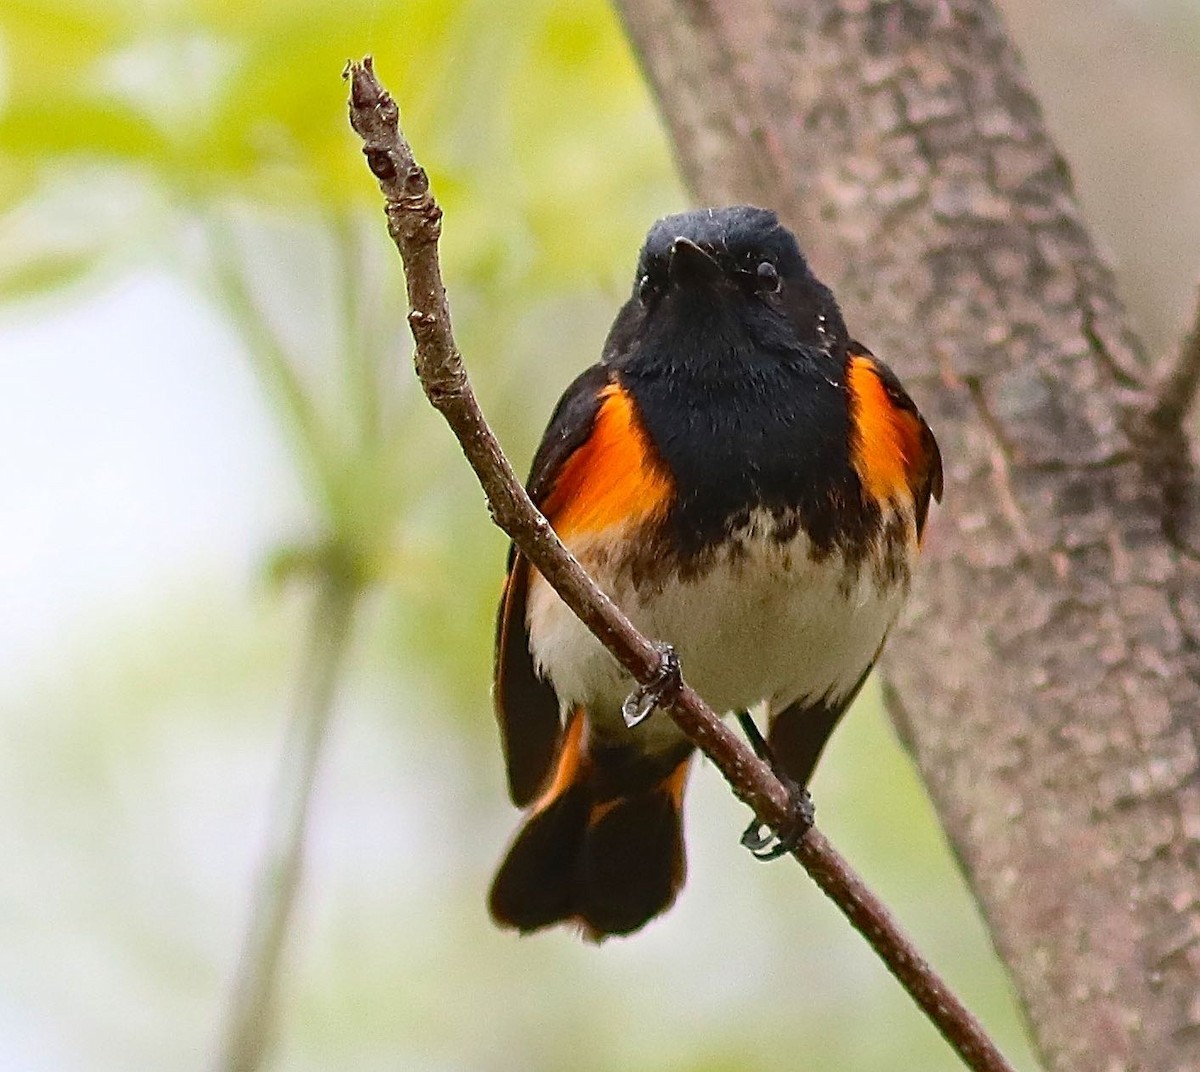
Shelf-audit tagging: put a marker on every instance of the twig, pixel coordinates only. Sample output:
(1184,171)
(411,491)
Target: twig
(310,432)
(252,1007)
(1166,449)
(414,222)
(1176,391)
(358,357)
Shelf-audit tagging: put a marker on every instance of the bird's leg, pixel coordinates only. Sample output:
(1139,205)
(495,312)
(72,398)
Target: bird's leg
(640,704)
(758,836)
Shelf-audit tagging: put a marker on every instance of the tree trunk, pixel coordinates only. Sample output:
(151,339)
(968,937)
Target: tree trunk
(1047,679)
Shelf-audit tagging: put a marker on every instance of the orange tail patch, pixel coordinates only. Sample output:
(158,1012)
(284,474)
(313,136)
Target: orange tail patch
(608,861)
(569,768)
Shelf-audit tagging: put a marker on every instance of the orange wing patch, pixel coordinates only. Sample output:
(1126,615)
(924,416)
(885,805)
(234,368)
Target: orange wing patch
(613,477)
(888,451)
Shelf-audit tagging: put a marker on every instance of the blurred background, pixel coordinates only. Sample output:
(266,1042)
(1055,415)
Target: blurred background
(208,424)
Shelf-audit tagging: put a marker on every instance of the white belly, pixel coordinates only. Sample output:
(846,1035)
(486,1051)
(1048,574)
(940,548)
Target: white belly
(768,624)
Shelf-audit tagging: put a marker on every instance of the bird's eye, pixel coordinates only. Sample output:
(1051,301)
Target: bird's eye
(766,278)
(645,289)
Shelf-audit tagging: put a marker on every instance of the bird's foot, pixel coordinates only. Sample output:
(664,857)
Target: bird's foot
(763,842)
(661,689)
(767,844)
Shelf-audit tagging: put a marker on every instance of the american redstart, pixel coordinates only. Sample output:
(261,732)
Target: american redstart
(749,485)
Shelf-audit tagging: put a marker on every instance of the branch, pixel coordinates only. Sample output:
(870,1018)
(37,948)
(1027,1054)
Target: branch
(267,351)
(1158,430)
(1052,684)
(252,1004)
(414,222)
(1177,390)
(1171,454)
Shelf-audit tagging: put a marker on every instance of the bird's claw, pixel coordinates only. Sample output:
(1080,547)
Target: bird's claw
(758,837)
(640,703)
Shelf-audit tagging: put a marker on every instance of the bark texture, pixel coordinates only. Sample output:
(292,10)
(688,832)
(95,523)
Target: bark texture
(1047,679)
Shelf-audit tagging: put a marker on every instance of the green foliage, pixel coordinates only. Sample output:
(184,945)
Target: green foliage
(230,115)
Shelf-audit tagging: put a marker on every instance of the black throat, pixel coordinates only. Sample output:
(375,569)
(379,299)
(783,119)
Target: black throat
(736,355)
(745,429)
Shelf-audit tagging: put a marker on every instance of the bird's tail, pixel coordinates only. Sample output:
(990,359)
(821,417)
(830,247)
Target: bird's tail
(602,847)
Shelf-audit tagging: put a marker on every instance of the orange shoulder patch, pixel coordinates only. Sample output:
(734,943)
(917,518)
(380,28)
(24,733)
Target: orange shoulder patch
(613,477)
(888,451)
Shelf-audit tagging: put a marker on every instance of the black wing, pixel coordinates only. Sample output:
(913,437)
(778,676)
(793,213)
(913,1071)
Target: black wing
(526,705)
(799,733)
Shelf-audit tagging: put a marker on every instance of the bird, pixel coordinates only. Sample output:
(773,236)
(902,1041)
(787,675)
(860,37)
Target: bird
(751,486)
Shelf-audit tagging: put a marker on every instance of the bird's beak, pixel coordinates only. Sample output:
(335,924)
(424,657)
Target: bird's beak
(691,264)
